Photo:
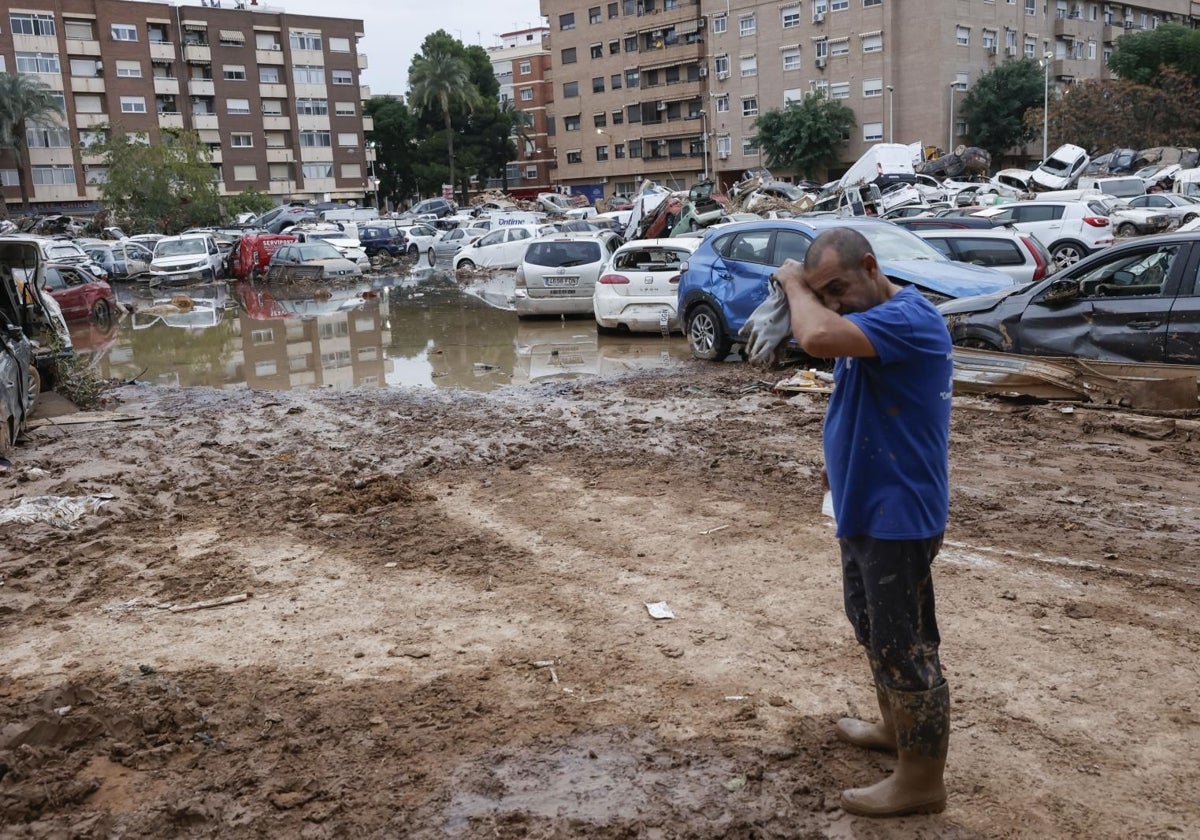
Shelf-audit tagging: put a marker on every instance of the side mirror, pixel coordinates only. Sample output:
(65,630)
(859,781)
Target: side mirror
(1060,291)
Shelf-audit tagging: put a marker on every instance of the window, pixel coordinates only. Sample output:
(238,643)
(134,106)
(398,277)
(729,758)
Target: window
(1030,8)
(525,68)
(872,87)
(28,62)
(791,59)
(88,104)
(724,145)
(341,77)
(347,139)
(792,95)
(821,49)
(1091,50)
(720,24)
(748,147)
(619,151)
(566,21)
(602,153)
(354,170)
(600,120)
(53,176)
(962,36)
(568,56)
(869,3)
(635,113)
(78,30)
(872,43)
(339,45)
(307,74)
(268,75)
(791,17)
(272,107)
(635,148)
(594,15)
(47,138)
(749,106)
(84,68)
(233,73)
(597,50)
(839,90)
(575,156)
(133,104)
(749,66)
(317,170)
(721,65)
(819,8)
(26,23)
(345,109)
(266,41)
(129,69)
(632,78)
(305,40)
(598,84)
(872,131)
(722,103)
(124,32)
(8,178)
(314,139)
(277,140)
(241,141)
(839,47)
(1031,47)
(237,106)
(231,38)
(312,107)
(839,5)
(961,81)
(88,137)
(631,44)
(570,90)
(530,173)
(571,123)
(746,25)
(989,39)
(617,117)
(526,94)
(614,9)
(615,81)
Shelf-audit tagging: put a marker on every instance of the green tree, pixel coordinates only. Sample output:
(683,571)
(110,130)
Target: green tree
(1141,57)
(441,82)
(995,107)
(166,186)
(250,201)
(805,136)
(394,136)
(24,102)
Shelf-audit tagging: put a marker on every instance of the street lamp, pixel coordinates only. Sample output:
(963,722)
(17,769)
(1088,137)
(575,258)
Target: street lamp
(704,142)
(891,121)
(1046,104)
(950,147)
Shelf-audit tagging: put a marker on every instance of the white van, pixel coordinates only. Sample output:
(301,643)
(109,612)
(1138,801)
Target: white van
(1187,182)
(1126,187)
(880,159)
(350,214)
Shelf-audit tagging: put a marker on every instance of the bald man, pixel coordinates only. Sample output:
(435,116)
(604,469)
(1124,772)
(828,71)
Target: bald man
(886,440)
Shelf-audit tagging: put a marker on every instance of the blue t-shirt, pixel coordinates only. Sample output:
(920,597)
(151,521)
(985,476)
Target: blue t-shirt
(887,430)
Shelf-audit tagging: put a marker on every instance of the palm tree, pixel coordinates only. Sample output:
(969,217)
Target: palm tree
(522,132)
(23,100)
(441,80)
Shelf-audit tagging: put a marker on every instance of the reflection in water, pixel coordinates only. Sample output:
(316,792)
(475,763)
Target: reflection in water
(395,331)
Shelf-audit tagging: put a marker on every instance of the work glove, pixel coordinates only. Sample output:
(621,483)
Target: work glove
(768,328)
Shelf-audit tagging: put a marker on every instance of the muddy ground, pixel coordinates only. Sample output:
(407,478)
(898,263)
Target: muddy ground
(446,633)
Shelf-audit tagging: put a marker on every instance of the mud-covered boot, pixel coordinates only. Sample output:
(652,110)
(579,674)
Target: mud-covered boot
(922,722)
(871,736)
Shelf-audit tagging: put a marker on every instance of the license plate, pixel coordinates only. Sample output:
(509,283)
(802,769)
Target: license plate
(562,281)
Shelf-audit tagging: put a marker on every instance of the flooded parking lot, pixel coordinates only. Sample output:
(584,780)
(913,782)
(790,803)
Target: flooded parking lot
(421,329)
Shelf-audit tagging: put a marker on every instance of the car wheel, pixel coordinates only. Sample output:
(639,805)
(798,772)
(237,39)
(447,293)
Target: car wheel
(1067,253)
(413,252)
(603,330)
(706,335)
(1190,217)
(102,313)
(432,257)
(465,265)
(1127,229)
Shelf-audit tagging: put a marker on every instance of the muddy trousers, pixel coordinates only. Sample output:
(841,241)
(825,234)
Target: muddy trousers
(888,588)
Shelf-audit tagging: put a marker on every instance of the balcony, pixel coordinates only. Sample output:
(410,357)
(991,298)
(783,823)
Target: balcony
(90,120)
(316,154)
(201,87)
(277,123)
(1077,29)
(216,156)
(274,56)
(198,54)
(203,121)
(271,91)
(1068,68)
(1112,31)
(92,160)
(170,119)
(87,84)
(362,61)
(280,156)
(364,92)
(281,187)
(368,123)
(91,48)
(162,51)
(164,86)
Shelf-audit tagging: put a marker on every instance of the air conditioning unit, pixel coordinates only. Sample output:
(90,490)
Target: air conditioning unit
(723,75)
(1010,51)
(662,106)
(820,63)
(276,47)
(993,49)
(703,72)
(819,17)
(723,155)
(99,66)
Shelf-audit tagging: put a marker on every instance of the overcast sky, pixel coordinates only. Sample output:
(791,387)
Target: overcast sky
(395,28)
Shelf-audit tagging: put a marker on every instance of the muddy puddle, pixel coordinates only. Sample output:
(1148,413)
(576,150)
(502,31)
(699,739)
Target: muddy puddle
(422,330)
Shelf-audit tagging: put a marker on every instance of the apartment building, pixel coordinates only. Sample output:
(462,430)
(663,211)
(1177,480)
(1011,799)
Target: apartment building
(704,70)
(522,66)
(276,97)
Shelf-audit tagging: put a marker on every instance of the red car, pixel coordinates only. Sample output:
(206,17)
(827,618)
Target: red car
(253,253)
(80,294)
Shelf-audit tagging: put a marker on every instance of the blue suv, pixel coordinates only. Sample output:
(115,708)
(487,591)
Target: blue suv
(726,278)
(382,239)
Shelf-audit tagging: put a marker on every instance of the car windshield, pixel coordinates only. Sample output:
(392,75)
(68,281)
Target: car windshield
(318,251)
(895,243)
(562,254)
(650,259)
(179,247)
(1054,165)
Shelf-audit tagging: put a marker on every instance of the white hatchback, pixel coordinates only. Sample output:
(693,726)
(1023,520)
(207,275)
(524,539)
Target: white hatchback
(502,247)
(639,289)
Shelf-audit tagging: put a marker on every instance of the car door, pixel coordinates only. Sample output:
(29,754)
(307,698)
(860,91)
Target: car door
(1183,330)
(1121,312)
(1042,219)
(514,247)
(744,268)
(67,286)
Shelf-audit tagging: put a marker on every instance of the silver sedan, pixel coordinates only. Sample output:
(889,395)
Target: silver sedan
(1180,209)
(451,242)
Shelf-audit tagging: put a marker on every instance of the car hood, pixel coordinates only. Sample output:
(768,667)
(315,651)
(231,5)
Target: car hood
(167,263)
(951,279)
(977,303)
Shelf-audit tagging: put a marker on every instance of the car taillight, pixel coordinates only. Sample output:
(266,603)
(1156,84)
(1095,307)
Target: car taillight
(1096,221)
(614,280)
(1039,272)
(521,277)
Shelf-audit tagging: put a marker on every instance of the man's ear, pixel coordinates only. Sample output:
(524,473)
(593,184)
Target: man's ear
(869,263)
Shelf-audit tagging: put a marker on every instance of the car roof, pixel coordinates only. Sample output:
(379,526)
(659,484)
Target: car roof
(998,232)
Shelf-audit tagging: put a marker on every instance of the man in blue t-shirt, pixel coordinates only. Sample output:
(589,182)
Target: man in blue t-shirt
(887,436)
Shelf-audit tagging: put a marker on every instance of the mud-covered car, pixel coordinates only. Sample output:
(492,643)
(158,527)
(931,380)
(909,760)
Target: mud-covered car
(1138,302)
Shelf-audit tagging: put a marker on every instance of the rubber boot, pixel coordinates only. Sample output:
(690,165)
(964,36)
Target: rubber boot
(922,721)
(871,736)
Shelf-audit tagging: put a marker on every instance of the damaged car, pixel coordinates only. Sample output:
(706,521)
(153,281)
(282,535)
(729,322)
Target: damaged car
(1134,302)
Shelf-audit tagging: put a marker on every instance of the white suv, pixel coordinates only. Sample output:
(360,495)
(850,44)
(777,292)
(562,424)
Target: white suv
(191,257)
(1070,230)
(558,274)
